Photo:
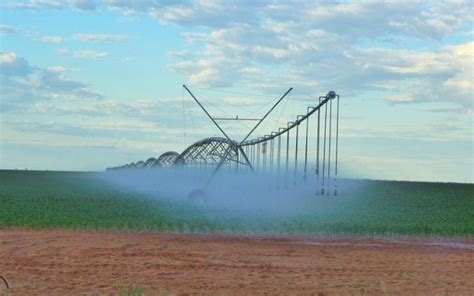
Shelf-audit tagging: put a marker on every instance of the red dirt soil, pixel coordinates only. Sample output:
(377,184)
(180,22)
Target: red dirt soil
(56,262)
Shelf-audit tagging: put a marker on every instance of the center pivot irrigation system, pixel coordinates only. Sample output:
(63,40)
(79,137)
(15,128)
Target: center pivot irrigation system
(264,154)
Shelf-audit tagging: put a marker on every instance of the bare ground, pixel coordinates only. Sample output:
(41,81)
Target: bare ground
(56,262)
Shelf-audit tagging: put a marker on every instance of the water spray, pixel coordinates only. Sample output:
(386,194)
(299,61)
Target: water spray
(258,155)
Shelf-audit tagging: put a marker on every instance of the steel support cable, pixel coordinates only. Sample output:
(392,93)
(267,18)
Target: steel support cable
(296,152)
(184,118)
(293,124)
(255,152)
(306,149)
(266,114)
(191,117)
(305,94)
(337,144)
(267,156)
(234,92)
(230,125)
(251,153)
(246,151)
(318,150)
(261,107)
(287,155)
(254,155)
(258,156)
(281,112)
(207,113)
(324,146)
(329,150)
(264,157)
(237,162)
(272,154)
(279,160)
(213,105)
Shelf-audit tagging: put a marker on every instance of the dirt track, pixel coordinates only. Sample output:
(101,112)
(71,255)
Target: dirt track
(68,262)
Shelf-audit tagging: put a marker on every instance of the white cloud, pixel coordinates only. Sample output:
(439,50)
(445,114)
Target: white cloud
(461,84)
(442,75)
(56,69)
(130,6)
(86,5)
(190,13)
(62,50)
(438,131)
(51,83)
(99,37)
(13,65)
(24,85)
(7,30)
(402,98)
(183,54)
(326,49)
(90,54)
(52,39)
(34,4)
(312,44)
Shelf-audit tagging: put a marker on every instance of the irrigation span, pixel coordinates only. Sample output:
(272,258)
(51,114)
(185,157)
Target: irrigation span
(269,153)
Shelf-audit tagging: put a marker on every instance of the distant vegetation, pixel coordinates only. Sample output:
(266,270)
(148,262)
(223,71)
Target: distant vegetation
(67,200)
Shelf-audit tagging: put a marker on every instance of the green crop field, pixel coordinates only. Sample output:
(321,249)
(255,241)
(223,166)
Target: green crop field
(70,200)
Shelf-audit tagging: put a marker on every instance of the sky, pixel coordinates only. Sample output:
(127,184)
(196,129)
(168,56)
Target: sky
(87,85)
